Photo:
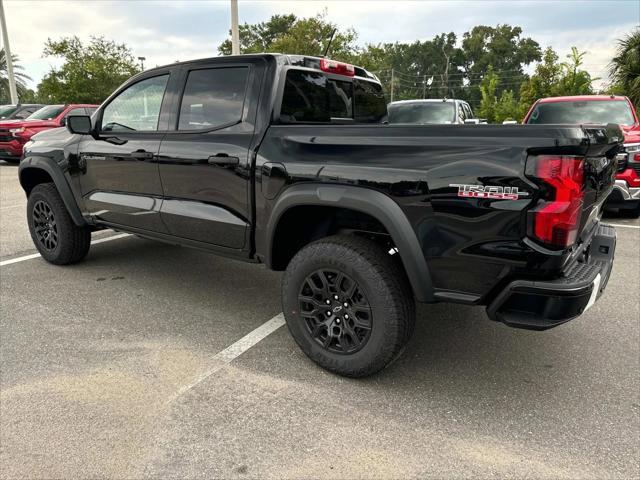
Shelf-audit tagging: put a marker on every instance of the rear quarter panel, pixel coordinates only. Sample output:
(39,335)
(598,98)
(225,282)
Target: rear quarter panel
(470,244)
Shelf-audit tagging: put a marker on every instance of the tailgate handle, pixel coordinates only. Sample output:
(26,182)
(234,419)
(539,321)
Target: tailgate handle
(223,159)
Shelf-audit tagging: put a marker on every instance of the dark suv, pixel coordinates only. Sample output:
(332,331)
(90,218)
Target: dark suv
(287,161)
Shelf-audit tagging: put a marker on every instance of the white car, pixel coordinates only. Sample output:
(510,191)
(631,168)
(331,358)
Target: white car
(436,111)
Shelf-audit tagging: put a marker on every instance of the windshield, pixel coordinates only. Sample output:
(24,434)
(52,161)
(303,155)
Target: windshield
(46,113)
(7,110)
(595,111)
(422,113)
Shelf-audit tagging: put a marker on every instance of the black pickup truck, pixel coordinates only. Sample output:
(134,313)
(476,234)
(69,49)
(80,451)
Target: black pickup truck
(289,161)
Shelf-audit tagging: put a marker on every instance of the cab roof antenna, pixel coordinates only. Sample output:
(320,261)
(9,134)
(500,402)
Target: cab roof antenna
(326,49)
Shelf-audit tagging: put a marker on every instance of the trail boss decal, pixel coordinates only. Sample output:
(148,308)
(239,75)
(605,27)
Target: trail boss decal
(488,191)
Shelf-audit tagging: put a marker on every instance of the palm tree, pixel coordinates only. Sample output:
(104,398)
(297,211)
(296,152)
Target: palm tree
(21,78)
(625,67)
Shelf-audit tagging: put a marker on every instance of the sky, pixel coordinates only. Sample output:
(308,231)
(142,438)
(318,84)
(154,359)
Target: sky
(166,31)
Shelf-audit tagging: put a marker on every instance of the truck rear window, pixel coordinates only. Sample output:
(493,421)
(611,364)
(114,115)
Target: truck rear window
(314,97)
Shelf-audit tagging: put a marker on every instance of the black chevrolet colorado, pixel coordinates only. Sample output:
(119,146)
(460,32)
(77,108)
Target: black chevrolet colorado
(289,161)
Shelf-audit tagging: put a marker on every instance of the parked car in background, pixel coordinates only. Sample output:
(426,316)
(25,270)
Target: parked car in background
(601,109)
(18,112)
(15,133)
(431,112)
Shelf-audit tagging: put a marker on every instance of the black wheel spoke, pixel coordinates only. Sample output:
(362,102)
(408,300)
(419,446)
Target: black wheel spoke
(317,330)
(355,341)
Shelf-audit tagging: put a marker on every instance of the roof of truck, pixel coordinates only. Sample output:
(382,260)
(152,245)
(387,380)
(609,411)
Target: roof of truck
(427,100)
(582,98)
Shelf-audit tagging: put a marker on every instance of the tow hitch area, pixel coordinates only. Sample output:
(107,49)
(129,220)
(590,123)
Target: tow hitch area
(539,305)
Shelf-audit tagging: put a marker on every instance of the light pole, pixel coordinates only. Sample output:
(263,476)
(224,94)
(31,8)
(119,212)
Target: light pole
(142,59)
(13,93)
(235,34)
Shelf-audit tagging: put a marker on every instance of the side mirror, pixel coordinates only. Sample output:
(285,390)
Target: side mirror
(63,122)
(80,124)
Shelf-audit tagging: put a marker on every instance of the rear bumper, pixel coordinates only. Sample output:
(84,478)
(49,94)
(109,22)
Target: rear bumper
(539,305)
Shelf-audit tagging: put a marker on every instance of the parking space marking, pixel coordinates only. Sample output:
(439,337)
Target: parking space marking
(36,255)
(624,226)
(6,207)
(226,356)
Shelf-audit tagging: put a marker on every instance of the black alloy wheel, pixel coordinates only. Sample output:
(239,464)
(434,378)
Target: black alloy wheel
(336,312)
(58,239)
(45,226)
(348,304)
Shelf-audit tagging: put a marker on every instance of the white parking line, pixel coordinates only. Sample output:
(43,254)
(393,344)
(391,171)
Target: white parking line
(226,356)
(36,255)
(13,206)
(619,225)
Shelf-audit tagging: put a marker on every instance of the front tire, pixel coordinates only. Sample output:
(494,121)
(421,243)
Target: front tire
(348,305)
(58,239)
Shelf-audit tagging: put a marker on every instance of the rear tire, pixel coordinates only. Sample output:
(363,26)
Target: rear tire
(367,326)
(58,239)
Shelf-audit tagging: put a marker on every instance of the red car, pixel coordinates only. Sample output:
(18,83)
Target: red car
(15,133)
(601,109)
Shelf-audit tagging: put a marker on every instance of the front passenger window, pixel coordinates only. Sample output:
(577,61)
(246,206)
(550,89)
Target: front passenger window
(137,108)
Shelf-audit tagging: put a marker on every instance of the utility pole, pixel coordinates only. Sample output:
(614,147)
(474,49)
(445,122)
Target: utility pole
(235,34)
(7,53)
(424,87)
(392,82)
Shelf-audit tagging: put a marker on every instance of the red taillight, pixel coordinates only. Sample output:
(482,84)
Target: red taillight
(557,219)
(331,66)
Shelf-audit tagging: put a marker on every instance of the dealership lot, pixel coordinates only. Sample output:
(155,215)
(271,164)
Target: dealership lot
(112,368)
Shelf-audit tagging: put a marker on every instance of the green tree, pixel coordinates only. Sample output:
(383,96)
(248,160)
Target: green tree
(289,34)
(505,49)
(542,82)
(625,67)
(89,72)
(574,81)
(507,107)
(259,37)
(552,79)
(488,96)
(20,77)
(429,68)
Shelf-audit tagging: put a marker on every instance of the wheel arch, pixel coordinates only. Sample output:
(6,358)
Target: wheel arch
(36,170)
(370,202)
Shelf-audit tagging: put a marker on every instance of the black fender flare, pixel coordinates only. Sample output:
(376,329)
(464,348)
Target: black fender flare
(371,202)
(56,173)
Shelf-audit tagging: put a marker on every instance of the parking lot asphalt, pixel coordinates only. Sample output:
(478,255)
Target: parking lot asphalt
(111,368)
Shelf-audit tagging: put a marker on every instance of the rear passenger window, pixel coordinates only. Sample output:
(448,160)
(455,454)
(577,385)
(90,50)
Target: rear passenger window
(370,105)
(314,97)
(213,98)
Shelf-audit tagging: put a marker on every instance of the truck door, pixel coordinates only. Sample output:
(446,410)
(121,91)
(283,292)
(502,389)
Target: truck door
(205,163)
(119,178)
